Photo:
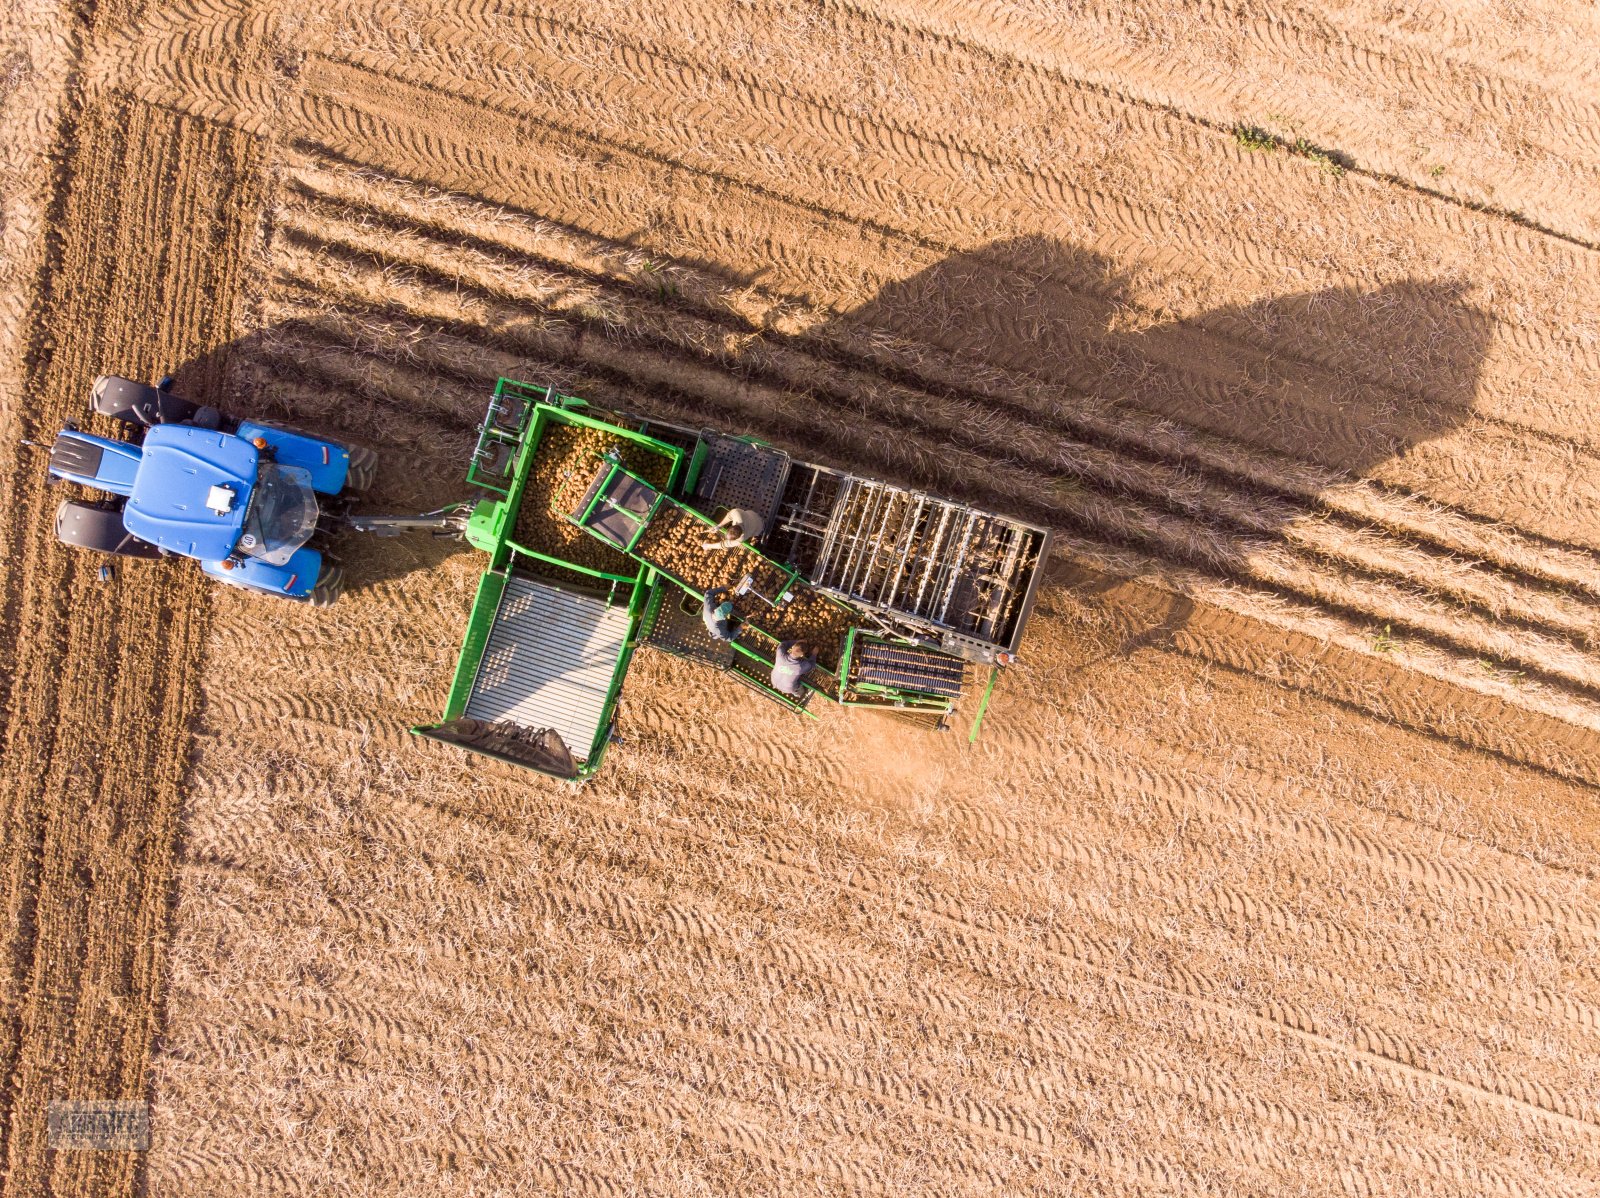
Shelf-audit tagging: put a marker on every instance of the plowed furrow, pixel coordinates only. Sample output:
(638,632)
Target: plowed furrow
(398,205)
(1249,914)
(1526,490)
(546,44)
(476,963)
(1096,52)
(1175,489)
(714,397)
(964,931)
(680,922)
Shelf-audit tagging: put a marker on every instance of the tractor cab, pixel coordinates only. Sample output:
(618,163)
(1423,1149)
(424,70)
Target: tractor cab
(242,502)
(282,514)
(193,490)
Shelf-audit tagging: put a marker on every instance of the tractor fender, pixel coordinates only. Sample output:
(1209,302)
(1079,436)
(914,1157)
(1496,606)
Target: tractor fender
(95,461)
(292,580)
(328,462)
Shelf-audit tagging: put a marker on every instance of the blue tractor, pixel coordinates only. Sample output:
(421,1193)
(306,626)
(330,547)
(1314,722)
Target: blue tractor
(241,498)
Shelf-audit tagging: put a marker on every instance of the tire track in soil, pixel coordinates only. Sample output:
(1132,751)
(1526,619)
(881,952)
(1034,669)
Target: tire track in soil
(387,1039)
(569,52)
(569,37)
(1554,491)
(1212,98)
(402,1161)
(1102,210)
(1110,780)
(211,94)
(1559,61)
(1023,929)
(1550,495)
(108,709)
(975,830)
(964,1115)
(971,941)
(808,1058)
(1053,1085)
(569,906)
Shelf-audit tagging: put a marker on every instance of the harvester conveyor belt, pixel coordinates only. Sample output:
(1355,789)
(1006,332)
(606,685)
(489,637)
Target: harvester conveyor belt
(907,667)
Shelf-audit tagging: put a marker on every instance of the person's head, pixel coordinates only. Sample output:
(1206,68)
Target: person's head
(799,650)
(725,608)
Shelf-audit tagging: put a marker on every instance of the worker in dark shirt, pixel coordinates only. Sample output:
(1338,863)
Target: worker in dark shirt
(718,614)
(795,660)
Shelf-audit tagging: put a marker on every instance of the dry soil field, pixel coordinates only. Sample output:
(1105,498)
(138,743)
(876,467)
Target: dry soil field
(1277,868)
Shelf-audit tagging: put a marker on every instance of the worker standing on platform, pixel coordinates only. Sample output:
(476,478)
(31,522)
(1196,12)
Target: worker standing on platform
(738,526)
(795,660)
(717,612)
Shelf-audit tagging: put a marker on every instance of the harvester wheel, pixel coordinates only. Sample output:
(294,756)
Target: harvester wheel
(363,469)
(330,585)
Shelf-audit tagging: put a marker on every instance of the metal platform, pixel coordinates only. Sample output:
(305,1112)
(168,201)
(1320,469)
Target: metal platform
(549,662)
(738,474)
(674,624)
(758,677)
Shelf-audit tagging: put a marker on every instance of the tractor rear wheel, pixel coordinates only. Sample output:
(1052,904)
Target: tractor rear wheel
(330,585)
(143,405)
(99,528)
(363,469)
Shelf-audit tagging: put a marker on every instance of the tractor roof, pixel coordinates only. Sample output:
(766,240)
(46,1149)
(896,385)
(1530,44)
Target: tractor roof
(192,490)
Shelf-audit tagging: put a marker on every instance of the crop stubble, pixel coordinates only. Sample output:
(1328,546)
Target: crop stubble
(754,958)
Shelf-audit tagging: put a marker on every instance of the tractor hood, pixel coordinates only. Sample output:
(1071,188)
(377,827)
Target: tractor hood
(192,490)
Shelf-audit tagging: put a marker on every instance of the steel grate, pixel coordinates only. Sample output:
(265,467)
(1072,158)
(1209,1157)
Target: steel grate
(676,627)
(549,662)
(738,474)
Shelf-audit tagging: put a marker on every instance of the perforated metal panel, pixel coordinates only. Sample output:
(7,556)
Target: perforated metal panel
(549,662)
(738,474)
(677,627)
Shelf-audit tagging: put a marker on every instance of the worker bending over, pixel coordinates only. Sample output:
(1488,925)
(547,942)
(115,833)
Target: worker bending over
(795,660)
(738,526)
(717,611)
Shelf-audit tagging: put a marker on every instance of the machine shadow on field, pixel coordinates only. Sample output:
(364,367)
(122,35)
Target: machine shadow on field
(1334,382)
(1339,380)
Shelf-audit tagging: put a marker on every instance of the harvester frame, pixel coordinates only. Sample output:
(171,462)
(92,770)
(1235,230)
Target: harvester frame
(549,639)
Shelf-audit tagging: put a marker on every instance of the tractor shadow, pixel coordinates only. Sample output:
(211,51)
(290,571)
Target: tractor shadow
(1027,334)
